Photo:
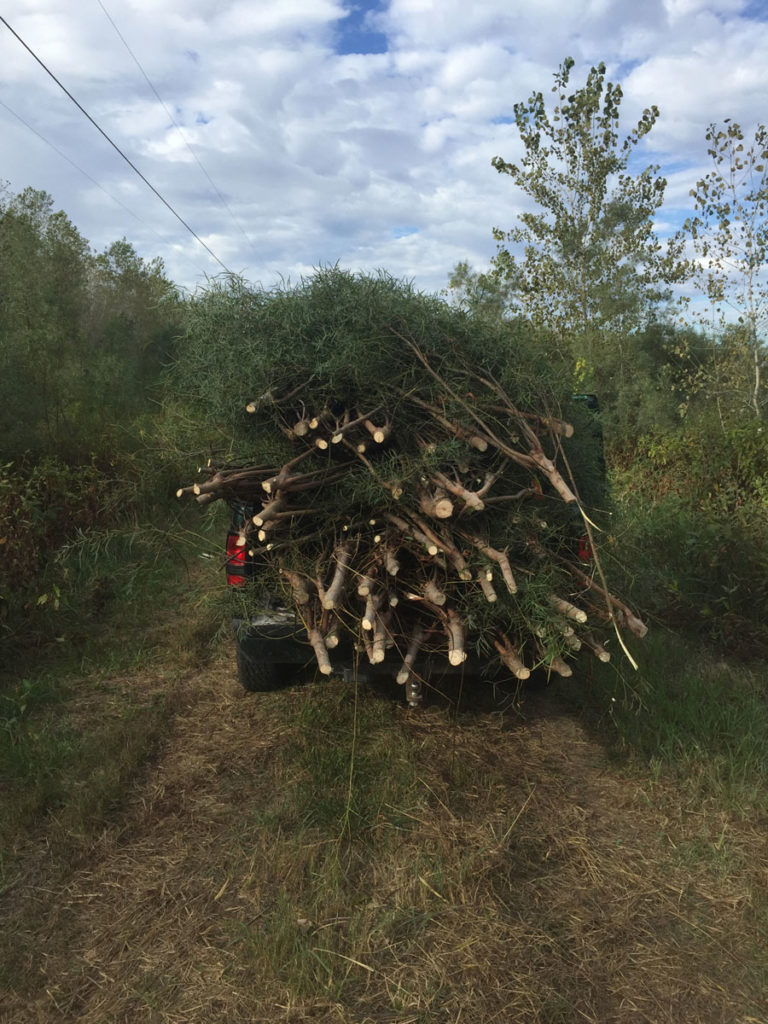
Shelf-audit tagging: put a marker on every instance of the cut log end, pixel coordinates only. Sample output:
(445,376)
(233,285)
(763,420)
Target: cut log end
(511,660)
(434,594)
(334,593)
(562,668)
(439,508)
(566,608)
(454,628)
(321,652)
(636,626)
(486,585)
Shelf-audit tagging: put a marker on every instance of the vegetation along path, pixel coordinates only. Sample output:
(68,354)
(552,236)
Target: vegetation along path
(326,854)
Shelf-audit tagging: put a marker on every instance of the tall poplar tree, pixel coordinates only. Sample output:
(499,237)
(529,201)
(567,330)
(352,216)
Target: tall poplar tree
(728,236)
(583,263)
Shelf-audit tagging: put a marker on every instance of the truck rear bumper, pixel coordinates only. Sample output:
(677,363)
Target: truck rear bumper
(280,639)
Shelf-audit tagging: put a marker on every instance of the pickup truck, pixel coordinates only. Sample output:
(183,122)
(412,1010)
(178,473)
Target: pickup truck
(271,641)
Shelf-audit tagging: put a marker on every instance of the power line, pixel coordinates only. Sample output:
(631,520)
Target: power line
(85,174)
(69,160)
(159,99)
(114,145)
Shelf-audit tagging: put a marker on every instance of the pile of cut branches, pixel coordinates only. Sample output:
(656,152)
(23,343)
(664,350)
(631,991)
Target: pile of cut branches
(425,508)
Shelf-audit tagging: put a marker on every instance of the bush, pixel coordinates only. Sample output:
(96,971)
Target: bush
(52,514)
(694,514)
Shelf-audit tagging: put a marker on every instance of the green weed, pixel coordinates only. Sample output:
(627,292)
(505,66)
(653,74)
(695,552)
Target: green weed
(353,761)
(688,717)
(49,764)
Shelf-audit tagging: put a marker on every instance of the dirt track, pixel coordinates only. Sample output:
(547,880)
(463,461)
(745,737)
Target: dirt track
(150,924)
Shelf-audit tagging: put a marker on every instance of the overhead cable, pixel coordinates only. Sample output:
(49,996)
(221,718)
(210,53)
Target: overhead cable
(85,174)
(114,145)
(175,124)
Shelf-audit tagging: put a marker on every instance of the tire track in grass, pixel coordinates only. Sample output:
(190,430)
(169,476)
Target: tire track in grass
(519,877)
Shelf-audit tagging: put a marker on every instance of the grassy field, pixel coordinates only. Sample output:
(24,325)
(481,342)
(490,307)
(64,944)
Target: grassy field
(177,852)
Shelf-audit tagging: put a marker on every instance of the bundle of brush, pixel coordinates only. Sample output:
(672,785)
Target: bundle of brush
(413,486)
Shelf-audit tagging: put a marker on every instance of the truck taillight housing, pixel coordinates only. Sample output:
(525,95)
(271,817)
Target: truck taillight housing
(237,560)
(584,552)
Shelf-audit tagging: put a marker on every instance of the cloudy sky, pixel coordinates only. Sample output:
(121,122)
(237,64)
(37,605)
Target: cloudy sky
(294,133)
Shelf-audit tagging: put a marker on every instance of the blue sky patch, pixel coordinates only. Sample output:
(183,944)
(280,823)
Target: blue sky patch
(357,33)
(624,70)
(757,9)
(403,230)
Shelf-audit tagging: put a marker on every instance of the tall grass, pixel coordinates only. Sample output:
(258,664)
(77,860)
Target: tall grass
(51,765)
(79,542)
(692,528)
(686,716)
(438,865)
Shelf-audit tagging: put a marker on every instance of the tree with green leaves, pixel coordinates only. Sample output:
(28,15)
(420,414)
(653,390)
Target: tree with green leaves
(728,236)
(591,270)
(82,336)
(42,296)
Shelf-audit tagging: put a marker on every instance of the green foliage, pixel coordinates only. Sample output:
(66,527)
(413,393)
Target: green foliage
(484,295)
(729,237)
(84,336)
(583,265)
(591,261)
(337,332)
(71,542)
(343,344)
(693,516)
(688,718)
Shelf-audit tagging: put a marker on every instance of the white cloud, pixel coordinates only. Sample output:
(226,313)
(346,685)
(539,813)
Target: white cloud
(376,160)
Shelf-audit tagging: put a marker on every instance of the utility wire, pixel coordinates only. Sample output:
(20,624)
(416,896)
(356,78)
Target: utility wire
(160,100)
(114,145)
(85,174)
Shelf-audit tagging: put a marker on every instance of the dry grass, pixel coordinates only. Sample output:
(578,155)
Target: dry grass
(490,868)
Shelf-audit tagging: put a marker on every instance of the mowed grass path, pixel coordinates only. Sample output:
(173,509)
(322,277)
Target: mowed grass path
(325,854)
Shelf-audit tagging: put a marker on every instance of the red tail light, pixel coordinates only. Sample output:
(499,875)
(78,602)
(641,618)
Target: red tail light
(584,553)
(236,560)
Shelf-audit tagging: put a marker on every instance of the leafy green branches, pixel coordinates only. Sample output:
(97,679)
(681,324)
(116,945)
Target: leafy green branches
(728,235)
(591,261)
(83,336)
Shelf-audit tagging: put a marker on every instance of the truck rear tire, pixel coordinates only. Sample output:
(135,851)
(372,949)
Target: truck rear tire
(258,676)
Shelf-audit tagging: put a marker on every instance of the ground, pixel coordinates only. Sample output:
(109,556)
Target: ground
(324,854)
